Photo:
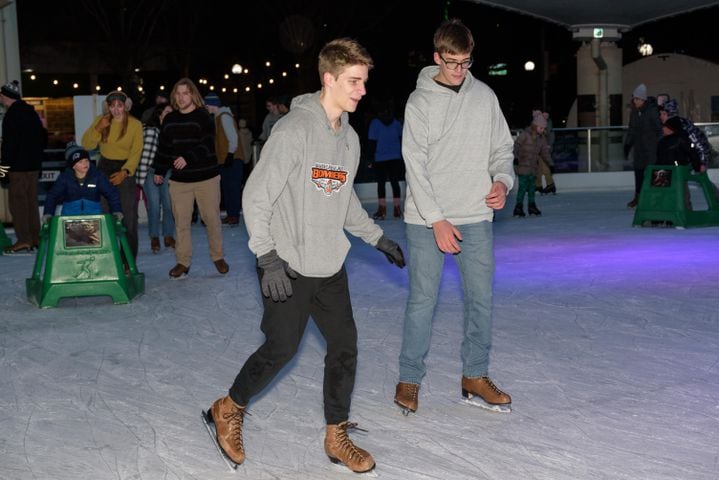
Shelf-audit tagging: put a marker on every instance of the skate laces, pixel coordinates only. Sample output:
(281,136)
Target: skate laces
(344,443)
(235,418)
(410,391)
(491,385)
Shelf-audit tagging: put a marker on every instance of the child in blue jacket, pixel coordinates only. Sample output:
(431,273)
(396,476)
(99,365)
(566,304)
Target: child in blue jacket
(80,187)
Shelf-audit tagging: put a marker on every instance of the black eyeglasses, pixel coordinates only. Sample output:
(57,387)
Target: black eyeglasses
(452,65)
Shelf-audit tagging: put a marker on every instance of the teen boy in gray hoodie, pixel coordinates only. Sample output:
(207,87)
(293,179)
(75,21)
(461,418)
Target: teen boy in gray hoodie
(457,150)
(297,203)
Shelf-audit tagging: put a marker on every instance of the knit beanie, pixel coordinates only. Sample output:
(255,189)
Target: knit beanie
(11,90)
(74,153)
(640,92)
(671,107)
(538,119)
(212,100)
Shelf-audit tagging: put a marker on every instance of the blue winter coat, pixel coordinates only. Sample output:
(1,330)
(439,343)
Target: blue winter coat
(82,198)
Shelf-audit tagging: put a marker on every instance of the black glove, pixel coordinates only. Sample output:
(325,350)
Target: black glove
(391,250)
(627,148)
(276,274)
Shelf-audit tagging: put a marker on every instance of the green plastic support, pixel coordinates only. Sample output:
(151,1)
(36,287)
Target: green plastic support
(4,239)
(665,198)
(82,256)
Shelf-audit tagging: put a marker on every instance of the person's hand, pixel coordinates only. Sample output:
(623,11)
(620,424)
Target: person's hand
(179,163)
(159,179)
(497,196)
(276,275)
(4,177)
(118,177)
(118,216)
(447,236)
(46,218)
(391,250)
(103,123)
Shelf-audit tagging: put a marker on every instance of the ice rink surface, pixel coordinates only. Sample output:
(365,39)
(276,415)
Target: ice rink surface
(605,335)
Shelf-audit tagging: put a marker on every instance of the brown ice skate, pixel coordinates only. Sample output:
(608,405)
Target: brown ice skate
(228,417)
(406,396)
(340,449)
(481,391)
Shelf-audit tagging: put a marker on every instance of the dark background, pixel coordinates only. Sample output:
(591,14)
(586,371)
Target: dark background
(168,39)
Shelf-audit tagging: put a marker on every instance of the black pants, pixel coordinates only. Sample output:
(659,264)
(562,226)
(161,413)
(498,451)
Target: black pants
(128,200)
(391,170)
(327,300)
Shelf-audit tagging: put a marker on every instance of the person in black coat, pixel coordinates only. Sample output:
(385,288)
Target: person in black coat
(24,139)
(645,130)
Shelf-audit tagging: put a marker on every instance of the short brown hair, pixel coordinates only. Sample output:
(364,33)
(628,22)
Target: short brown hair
(341,53)
(453,37)
(194,93)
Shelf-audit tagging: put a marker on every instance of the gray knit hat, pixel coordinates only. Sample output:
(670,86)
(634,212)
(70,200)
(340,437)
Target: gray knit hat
(640,92)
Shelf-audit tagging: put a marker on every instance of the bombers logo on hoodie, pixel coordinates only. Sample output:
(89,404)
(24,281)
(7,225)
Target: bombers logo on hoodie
(328,178)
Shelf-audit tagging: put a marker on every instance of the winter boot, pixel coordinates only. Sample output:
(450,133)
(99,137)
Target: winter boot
(406,396)
(228,418)
(633,202)
(533,210)
(550,189)
(155,244)
(397,211)
(518,210)
(488,392)
(340,449)
(380,213)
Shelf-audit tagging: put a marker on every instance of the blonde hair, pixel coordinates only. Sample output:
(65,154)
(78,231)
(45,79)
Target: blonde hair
(341,53)
(194,93)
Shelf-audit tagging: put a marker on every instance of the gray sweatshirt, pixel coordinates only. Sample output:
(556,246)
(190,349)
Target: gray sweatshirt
(455,145)
(299,198)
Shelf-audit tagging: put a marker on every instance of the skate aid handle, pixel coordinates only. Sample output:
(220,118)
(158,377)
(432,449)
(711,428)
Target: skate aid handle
(276,275)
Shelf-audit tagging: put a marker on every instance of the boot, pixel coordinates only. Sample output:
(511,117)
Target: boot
(533,210)
(340,449)
(228,418)
(169,242)
(406,396)
(550,189)
(633,202)
(518,210)
(483,388)
(380,213)
(539,189)
(397,211)
(154,244)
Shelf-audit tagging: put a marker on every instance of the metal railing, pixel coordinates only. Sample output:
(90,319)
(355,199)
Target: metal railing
(601,149)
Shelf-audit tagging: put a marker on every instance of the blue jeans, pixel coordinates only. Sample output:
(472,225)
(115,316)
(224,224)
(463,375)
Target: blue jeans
(231,186)
(158,201)
(476,267)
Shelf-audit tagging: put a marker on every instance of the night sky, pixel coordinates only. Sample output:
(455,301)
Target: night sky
(203,39)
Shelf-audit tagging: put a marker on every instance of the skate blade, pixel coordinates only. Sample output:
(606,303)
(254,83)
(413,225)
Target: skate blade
(210,427)
(478,402)
(341,467)
(405,411)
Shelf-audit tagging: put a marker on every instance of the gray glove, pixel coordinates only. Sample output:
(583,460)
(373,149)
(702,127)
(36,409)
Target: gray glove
(46,218)
(118,216)
(276,274)
(391,250)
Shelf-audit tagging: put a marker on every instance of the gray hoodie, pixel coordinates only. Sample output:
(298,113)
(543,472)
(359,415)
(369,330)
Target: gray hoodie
(454,144)
(299,198)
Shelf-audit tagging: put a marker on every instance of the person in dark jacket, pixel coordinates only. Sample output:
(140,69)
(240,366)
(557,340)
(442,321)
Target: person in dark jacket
(23,142)
(645,130)
(79,188)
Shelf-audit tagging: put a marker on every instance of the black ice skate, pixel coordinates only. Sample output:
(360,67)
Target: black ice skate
(533,210)
(518,211)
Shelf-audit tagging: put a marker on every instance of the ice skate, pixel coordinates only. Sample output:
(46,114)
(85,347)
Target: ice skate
(518,211)
(551,188)
(340,449)
(482,392)
(224,424)
(533,210)
(381,213)
(406,396)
